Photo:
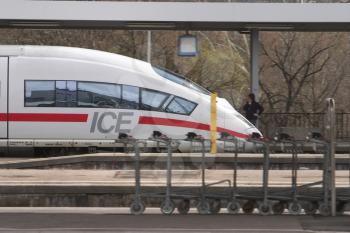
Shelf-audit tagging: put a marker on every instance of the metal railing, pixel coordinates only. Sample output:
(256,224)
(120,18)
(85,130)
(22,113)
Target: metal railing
(210,197)
(271,122)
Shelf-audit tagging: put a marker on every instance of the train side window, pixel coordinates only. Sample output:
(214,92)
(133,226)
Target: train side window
(152,100)
(181,106)
(66,93)
(98,95)
(130,97)
(39,93)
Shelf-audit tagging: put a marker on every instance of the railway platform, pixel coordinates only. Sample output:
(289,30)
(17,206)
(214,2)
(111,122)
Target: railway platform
(220,161)
(115,188)
(181,181)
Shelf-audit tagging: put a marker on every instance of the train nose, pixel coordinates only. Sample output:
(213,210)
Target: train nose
(254,133)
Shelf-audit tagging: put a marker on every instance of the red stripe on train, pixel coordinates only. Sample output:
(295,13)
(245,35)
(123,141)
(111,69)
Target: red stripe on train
(3,117)
(145,120)
(171,122)
(44,117)
(233,133)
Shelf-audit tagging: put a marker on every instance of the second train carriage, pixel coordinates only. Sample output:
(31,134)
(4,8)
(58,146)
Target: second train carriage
(63,97)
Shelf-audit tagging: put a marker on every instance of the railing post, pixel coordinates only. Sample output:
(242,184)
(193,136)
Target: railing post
(331,136)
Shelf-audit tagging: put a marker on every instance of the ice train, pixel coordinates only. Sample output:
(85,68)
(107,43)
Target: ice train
(62,97)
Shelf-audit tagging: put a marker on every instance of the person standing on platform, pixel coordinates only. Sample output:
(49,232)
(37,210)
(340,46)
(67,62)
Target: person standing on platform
(252,109)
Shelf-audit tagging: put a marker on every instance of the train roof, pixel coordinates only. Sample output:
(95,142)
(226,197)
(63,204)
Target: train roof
(77,54)
(97,56)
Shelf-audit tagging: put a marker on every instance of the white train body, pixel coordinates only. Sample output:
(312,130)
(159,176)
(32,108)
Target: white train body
(53,95)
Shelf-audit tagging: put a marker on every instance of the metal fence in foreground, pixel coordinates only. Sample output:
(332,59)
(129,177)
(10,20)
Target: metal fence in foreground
(271,122)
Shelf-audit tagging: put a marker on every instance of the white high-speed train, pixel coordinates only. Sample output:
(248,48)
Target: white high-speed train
(73,97)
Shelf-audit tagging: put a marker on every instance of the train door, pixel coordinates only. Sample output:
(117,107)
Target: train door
(3,96)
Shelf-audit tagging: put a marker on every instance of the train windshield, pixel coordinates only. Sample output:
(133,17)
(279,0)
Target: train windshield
(180,80)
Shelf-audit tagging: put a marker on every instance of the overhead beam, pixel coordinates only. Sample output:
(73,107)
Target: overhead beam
(175,15)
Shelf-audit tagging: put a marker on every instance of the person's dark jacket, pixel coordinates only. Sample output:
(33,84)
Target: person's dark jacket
(252,110)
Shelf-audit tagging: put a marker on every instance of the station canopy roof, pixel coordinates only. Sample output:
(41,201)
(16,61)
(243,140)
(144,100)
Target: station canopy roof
(175,15)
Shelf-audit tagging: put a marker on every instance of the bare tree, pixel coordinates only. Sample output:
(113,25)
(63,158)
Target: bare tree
(222,65)
(293,70)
